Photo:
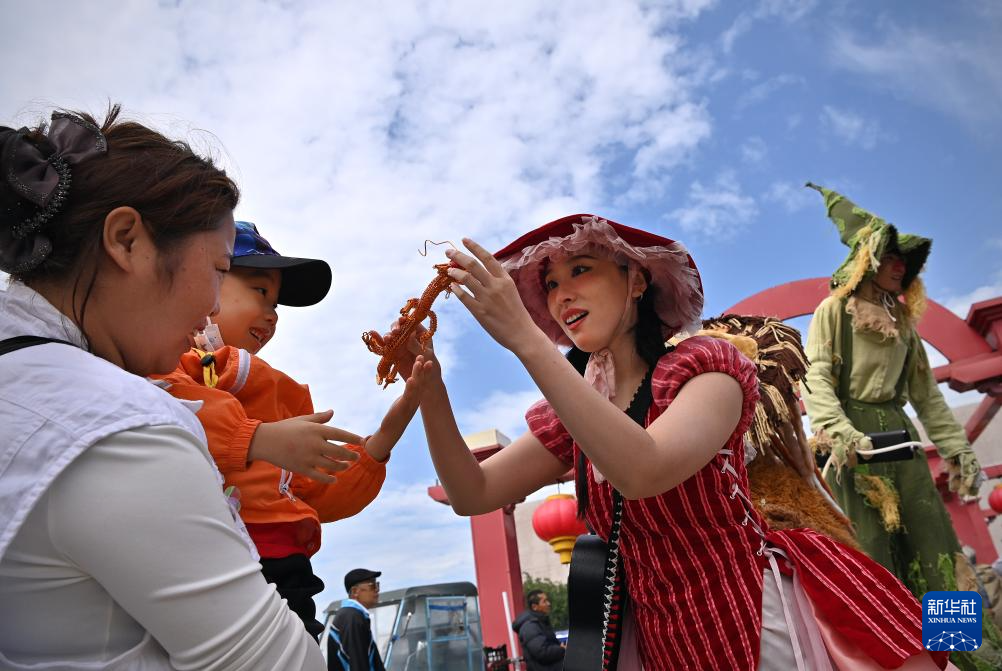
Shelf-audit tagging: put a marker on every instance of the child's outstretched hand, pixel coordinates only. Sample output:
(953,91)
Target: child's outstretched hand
(303,445)
(379,444)
(406,356)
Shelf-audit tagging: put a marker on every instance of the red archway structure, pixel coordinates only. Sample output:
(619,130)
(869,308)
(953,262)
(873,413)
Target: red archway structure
(973,348)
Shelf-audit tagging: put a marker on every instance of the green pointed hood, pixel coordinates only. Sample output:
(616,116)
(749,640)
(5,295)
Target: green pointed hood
(868,238)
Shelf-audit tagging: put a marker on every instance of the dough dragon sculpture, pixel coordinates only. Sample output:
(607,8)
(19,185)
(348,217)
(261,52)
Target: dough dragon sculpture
(415,311)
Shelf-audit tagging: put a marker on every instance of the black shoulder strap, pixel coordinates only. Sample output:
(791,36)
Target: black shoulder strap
(20,342)
(642,401)
(596,585)
(637,411)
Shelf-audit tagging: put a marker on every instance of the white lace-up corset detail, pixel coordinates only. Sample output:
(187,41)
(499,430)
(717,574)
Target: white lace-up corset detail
(736,492)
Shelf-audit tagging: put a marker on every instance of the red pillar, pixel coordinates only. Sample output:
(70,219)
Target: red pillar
(495,554)
(499,573)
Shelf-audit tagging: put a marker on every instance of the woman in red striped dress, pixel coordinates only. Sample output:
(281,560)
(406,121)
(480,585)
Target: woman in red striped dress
(711,587)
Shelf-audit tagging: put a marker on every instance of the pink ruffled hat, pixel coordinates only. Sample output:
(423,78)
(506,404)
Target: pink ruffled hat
(666,264)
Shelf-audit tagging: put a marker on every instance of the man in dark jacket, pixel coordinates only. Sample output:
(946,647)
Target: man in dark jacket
(350,646)
(539,644)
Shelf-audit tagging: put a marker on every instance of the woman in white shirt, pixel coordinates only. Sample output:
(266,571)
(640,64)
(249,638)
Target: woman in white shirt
(117,547)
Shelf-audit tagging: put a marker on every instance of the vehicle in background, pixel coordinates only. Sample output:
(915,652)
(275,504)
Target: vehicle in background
(425,628)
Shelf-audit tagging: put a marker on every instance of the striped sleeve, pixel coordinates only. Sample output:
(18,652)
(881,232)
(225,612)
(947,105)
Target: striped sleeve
(700,354)
(547,428)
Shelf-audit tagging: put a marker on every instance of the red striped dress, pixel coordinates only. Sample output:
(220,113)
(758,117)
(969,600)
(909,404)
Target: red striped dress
(694,556)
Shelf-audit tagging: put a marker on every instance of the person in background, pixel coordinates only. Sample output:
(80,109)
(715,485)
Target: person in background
(867,361)
(540,647)
(350,646)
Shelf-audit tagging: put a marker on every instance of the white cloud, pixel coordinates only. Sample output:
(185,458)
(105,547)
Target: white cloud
(956,75)
(504,411)
(789,11)
(961,304)
(741,25)
(762,90)
(792,197)
(356,132)
(851,127)
(719,211)
(677,9)
(412,539)
(754,150)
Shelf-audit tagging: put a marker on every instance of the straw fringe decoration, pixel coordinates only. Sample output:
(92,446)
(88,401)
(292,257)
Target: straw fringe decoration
(782,366)
(785,483)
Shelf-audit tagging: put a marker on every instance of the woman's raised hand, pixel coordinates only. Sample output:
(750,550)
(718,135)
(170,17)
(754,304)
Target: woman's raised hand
(489,293)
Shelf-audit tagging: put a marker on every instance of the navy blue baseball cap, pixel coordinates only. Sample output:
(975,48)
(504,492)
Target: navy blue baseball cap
(357,575)
(304,281)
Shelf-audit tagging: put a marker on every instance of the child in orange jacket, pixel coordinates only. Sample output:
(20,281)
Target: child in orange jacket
(275,453)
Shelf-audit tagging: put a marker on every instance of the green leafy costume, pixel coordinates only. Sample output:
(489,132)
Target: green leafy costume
(867,361)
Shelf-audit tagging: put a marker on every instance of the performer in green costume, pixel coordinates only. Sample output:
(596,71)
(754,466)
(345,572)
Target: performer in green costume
(867,361)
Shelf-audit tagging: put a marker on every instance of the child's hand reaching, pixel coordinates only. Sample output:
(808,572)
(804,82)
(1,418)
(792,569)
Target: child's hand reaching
(302,445)
(379,444)
(406,356)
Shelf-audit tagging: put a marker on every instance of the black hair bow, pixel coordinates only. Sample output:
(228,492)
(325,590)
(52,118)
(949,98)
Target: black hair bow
(36,182)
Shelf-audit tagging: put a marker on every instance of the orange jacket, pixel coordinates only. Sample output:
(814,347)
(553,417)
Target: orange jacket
(247,392)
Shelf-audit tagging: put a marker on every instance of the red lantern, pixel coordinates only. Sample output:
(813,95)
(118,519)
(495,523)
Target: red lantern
(556,522)
(995,499)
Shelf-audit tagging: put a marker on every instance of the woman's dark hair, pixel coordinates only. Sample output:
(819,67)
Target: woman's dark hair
(650,330)
(177,192)
(578,359)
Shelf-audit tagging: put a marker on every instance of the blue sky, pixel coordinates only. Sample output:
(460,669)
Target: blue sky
(357,130)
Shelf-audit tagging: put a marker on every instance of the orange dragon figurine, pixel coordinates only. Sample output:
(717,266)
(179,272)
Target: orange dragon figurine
(413,313)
